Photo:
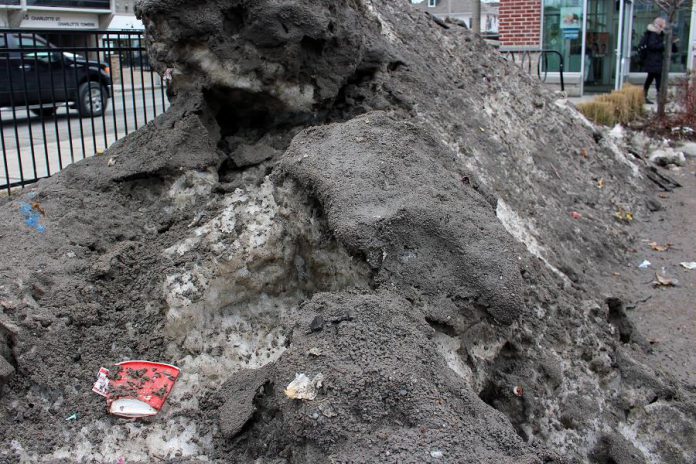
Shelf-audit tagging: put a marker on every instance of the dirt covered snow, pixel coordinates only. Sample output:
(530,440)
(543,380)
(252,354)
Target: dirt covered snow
(355,192)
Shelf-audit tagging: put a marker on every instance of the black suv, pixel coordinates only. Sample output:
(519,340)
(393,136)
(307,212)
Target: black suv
(44,78)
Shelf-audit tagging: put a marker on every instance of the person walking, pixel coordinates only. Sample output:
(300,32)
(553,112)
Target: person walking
(652,50)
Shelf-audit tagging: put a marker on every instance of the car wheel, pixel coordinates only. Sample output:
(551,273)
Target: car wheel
(92,99)
(45,112)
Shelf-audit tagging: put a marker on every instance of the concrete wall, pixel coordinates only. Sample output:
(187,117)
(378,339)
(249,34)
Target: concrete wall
(124,6)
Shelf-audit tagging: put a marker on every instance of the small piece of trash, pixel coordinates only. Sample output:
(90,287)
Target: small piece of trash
(518,391)
(100,152)
(690,266)
(302,388)
(168,76)
(101,386)
(624,216)
(327,410)
(437,454)
(136,389)
(314,352)
(32,215)
(111,162)
(645,264)
(72,417)
(661,248)
(601,183)
(662,281)
(575,215)
(36,206)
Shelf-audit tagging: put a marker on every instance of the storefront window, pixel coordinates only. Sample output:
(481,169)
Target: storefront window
(645,13)
(563,32)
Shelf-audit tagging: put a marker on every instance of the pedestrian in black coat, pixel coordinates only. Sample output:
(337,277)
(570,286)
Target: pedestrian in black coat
(652,47)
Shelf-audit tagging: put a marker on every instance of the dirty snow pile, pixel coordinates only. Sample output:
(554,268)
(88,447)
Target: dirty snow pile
(360,234)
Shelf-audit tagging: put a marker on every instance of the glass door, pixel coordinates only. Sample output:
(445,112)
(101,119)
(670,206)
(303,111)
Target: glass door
(600,45)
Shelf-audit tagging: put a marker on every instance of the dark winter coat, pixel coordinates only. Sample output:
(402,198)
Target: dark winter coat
(654,43)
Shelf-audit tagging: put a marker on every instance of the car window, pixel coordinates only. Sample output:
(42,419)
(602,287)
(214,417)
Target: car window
(27,41)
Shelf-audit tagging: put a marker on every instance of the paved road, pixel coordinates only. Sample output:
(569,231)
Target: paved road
(60,140)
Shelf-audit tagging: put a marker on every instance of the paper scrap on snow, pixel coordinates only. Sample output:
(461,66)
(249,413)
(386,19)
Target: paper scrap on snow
(690,266)
(302,388)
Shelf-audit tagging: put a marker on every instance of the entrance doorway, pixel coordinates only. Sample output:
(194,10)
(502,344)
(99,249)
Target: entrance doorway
(607,44)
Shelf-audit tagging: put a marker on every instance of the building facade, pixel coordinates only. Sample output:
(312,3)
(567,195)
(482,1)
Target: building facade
(462,10)
(68,14)
(124,7)
(598,39)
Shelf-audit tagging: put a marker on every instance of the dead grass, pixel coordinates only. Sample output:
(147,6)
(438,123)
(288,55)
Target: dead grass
(599,112)
(619,107)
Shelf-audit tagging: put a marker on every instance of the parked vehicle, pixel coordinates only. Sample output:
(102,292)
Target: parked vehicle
(36,74)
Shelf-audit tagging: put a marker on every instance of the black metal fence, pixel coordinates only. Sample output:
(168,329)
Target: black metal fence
(541,62)
(68,95)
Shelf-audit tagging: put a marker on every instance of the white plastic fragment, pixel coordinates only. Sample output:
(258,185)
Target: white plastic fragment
(302,388)
(130,408)
(645,264)
(690,266)
(437,454)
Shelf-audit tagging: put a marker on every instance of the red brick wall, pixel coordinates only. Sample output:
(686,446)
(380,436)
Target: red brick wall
(520,23)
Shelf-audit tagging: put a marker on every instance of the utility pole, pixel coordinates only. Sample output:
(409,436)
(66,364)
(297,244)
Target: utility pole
(476,16)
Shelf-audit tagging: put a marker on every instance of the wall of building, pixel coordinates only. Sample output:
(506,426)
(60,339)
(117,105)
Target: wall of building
(462,9)
(520,23)
(124,6)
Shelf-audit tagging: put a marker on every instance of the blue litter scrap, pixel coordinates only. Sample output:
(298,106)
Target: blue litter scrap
(32,218)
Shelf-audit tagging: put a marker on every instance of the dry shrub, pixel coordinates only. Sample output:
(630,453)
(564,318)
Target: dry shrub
(636,97)
(600,112)
(620,104)
(686,102)
(681,122)
(621,107)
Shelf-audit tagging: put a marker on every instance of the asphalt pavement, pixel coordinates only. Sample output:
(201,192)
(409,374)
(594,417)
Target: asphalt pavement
(36,146)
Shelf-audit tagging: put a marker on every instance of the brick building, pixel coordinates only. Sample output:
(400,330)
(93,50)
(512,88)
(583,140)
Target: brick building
(462,9)
(520,23)
(597,39)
